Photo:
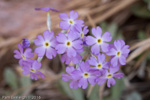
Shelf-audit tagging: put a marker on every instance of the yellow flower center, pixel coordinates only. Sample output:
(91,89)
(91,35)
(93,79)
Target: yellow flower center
(68,43)
(118,53)
(24,58)
(109,75)
(99,41)
(86,75)
(32,70)
(46,44)
(81,35)
(99,66)
(71,21)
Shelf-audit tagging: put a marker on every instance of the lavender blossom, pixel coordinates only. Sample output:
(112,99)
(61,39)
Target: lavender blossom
(82,32)
(24,57)
(32,69)
(99,41)
(47,9)
(68,77)
(25,43)
(109,77)
(68,44)
(71,21)
(119,51)
(84,75)
(65,59)
(99,64)
(46,45)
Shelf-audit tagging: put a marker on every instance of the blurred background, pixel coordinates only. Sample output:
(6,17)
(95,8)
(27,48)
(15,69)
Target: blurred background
(125,19)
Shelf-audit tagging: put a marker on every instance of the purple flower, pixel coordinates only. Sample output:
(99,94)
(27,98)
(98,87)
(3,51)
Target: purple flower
(68,44)
(32,69)
(82,32)
(109,77)
(25,43)
(70,22)
(46,44)
(65,59)
(119,51)
(98,41)
(84,75)
(68,77)
(99,64)
(24,57)
(47,9)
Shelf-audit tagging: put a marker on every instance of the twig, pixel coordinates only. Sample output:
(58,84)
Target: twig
(101,89)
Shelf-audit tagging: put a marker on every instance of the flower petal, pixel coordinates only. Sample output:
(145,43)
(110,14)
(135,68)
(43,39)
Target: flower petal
(36,65)
(92,80)
(17,54)
(92,61)
(95,49)
(122,60)
(60,48)
(118,75)
(64,25)
(40,51)
(40,74)
(39,40)
(101,58)
(110,82)
(20,48)
(61,37)
(106,37)
(73,84)
(105,47)
(50,53)
(47,35)
(73,14)
(28,53)
(63,16)
(114,61)
(97,32)
(71,52)
(101,80)
(77,44)
(90,40)
(83,83)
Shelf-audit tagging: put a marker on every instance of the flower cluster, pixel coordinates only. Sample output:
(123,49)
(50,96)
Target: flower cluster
(100,66)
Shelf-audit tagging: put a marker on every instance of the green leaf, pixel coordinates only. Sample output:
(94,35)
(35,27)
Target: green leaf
(64,87)
(134,96)
(112,28)
(11,78)
(95,93)
(116,90)
(71,93)
(103,25)
(25,81)
(141,35)
(140,11)
(148,2)
(148,56)
(78,94)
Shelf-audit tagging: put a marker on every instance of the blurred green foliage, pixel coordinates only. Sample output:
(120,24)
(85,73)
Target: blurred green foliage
(113,29)
(75,94)
(148,4)
(95,93)
(134,96)
(140,10)
(142,36)
(116,90)
(11,78)
(15,83)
